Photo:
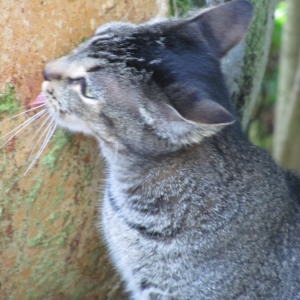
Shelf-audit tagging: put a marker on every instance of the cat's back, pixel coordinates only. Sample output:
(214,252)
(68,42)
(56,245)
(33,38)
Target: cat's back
(286,240)
(231,213)
(272,195)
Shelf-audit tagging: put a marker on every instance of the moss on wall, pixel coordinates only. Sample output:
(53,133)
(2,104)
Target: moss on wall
(50,246)
(8,100)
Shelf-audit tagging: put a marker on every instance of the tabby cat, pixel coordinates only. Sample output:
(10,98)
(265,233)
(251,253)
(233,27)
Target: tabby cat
(191,209)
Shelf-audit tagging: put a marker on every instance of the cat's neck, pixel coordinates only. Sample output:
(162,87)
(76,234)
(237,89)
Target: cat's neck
(161,171)
(134,165)
(155,194)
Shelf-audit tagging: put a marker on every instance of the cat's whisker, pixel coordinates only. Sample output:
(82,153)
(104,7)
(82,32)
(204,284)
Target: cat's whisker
(48,137)
(24,124)
(23,112)
(21,127)
(41,126)
(42,135)
(21,108)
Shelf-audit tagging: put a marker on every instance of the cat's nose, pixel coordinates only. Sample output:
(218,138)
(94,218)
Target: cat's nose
(62,68)
(54,69)
(51,73)
(46,75)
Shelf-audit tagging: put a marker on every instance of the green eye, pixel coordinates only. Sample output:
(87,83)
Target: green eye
(87,93)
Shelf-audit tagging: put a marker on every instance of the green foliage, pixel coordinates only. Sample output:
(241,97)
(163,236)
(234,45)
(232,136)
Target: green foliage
(269,88)
(183,6)
(59,139)
(8,100)
(280,16)
(271,76)
(261,129)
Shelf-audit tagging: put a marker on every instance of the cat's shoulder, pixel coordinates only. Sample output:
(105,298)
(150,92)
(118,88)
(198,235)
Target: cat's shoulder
(293,182)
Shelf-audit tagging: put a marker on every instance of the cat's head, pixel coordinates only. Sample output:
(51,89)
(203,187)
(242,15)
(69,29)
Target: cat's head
(149,88)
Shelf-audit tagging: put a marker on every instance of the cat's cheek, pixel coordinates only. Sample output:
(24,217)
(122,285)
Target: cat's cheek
(94,103)
(74,124)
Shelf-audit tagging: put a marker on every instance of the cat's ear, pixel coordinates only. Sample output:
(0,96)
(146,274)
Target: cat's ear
(206,112)
(225,25)
(205,117)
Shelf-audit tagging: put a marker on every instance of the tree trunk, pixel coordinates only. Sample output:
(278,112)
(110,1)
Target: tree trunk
(245,65)
(287,115)
(50,245)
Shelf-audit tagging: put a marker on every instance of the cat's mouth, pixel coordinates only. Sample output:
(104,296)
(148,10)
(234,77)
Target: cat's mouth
(60,116)
(47,98)
(39,100)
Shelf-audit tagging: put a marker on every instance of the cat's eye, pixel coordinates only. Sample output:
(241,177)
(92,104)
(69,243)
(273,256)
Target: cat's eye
(84,89)
(88,92)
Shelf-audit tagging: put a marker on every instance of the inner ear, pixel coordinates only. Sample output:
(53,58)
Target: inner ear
(206,112)
(224,26)
(201,112)
(187,125)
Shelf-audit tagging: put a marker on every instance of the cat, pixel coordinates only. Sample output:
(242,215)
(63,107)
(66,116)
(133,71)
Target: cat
(191,210)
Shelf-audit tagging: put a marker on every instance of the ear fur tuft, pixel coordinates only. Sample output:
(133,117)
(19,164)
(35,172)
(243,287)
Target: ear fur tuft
(189,125)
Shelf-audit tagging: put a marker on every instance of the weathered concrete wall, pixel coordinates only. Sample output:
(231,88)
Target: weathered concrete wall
(32,31)
(49,241)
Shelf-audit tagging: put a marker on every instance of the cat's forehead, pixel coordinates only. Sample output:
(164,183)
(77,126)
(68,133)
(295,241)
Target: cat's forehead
(117,27)
(112,28)
(113,44)
(115,36)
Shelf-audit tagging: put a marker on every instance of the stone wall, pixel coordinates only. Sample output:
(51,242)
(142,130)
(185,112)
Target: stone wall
(50,247)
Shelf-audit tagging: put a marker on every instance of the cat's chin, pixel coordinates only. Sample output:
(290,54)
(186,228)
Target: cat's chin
(75,125)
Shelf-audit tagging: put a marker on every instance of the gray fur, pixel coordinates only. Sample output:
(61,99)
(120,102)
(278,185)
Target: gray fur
(191,209)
